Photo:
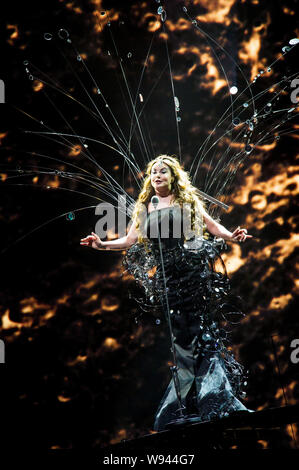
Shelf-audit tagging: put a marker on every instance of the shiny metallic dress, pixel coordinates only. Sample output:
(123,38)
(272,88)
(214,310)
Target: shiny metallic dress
(202,311)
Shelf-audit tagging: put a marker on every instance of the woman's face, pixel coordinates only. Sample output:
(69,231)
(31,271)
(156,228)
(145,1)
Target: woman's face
(161,177)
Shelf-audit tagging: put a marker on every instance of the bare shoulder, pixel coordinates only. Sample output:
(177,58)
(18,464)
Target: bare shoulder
(205,214)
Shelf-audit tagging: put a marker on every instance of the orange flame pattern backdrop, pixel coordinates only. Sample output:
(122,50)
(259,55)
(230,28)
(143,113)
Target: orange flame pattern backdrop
(74,354)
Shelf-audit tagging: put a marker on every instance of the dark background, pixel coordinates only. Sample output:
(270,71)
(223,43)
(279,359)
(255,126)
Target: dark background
(79,371)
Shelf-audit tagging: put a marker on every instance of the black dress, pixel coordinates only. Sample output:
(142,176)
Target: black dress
(202,312)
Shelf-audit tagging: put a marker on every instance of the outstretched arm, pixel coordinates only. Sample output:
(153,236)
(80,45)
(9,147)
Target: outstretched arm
(123,243)
(238,235)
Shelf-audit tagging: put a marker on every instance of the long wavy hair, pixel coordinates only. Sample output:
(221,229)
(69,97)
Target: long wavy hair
(182,189)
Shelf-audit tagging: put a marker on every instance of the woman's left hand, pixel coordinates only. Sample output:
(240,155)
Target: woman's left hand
(240,235)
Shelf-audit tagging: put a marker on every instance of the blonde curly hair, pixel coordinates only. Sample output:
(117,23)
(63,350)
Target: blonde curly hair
(184,194)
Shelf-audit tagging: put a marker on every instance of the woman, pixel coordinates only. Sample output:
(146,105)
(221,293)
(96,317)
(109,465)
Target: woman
(177,267)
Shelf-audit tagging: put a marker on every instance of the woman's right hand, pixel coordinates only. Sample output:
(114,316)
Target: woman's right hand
(93,241)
